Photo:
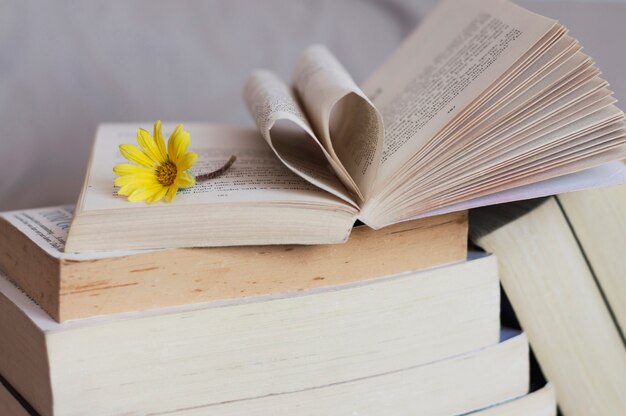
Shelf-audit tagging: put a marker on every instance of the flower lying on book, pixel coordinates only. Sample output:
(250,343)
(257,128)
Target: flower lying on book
(161,172)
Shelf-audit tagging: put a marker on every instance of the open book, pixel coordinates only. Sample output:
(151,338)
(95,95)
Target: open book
(485,102)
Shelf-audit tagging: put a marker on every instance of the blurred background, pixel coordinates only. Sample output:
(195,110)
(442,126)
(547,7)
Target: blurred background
(66,66)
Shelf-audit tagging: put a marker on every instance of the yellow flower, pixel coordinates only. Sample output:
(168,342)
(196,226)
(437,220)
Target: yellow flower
(161,172)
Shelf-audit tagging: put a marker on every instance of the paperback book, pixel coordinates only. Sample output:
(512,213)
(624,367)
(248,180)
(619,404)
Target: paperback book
(556,298)
(78,285)
(400,343)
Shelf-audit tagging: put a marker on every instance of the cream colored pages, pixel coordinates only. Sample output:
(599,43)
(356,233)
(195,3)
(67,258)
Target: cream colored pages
(492,136)
(48,228)
(613,173)
(343,117)
(532,148)
(455,55)
(257,175)
(475,136)
(327,130)
(284,126)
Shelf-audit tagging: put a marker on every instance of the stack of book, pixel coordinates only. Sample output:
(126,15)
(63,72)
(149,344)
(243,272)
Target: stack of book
(396,321)
(283,305)
(562,267)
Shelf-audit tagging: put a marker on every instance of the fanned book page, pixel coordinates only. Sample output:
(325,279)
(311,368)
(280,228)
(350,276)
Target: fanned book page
(485,102)
(502,99)
(343,133)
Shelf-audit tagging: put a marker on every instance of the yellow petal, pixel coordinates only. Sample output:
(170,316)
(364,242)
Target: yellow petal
(128,169)
(181,144)
(171,192)
(171,151)
(138,179)
(158,138)
(177,144)
(125,190)
(158,195)
(133,154)
(187,161)
(143,194)
(130,183)
(129,188)
(185,180)
(148,146)
(122,180)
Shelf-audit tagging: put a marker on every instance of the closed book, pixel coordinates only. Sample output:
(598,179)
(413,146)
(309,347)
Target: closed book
(70,286)
(598,220)
(374,343)
(559,305)
(541,402)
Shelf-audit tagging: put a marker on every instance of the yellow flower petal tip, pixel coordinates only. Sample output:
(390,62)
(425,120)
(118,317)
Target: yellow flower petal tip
(156,172)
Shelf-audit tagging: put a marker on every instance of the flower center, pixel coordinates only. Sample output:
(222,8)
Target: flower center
(166,173)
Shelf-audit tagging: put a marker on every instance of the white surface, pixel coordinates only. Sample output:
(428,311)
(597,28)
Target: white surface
(67,66)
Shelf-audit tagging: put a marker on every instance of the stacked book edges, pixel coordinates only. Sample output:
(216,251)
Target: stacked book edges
(562,266)
(426,342)
(70,286)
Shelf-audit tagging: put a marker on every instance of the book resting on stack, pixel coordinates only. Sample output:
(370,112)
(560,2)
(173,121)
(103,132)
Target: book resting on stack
(258,293)
(401,343)
(505,106)
(559,264)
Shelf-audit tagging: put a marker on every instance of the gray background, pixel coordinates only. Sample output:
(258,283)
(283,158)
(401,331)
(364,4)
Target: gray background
(66,66)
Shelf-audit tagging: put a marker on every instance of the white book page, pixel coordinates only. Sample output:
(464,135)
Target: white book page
(256,176)
(613,173)
(284,126)
(455,55)
(48,228)
(342,116)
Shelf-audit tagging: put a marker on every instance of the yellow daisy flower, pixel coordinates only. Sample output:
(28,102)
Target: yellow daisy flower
(160,173)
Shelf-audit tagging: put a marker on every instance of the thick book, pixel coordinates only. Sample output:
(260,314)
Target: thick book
(485,102)
(598,219)
(541,402)
(554,294)
(375,344)
(71,286)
